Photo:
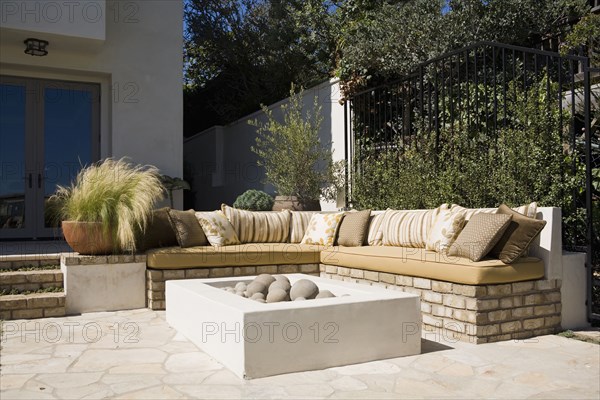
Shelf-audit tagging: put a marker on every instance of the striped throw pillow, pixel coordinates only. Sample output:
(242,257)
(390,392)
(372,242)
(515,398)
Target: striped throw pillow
(298,224)
(259,226)
(409,228)
(375,234)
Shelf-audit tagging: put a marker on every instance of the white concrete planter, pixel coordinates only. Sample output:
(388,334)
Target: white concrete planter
(103,286)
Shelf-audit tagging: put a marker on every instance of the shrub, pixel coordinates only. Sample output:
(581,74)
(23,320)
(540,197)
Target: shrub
(116,193)
(254,200)
(296,163)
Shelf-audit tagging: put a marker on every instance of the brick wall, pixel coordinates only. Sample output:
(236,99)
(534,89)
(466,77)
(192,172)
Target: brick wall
(479,314)
(155,278)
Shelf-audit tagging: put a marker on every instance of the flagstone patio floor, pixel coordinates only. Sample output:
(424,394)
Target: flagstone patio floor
(137,355)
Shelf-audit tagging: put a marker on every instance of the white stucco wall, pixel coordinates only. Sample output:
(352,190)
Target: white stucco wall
(139,68)
(223,166)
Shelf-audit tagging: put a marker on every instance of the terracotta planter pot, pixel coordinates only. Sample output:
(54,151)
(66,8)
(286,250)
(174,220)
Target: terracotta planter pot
(293,203)
(87,238)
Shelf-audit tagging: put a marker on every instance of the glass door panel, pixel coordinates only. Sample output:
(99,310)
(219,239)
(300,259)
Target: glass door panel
(70,125)
(15,181)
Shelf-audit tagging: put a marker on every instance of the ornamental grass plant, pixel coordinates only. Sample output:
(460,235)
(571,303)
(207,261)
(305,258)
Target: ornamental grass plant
(116,193)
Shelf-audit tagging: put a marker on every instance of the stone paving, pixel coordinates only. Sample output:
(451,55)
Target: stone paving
(136,355)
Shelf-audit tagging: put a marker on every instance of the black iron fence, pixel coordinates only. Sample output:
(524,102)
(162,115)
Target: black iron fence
(482,125)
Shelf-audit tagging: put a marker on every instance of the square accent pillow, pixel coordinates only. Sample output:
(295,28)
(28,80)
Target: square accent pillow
(259,226)
(445,230)
(515,241)
(353,228)
(298,224)
(159,231)
(187,229)
(322,229)
(375,233)
(217,228)
(481,233)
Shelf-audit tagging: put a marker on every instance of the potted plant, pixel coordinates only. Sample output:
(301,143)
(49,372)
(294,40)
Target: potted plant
(296,162)
(107,205)
(254,200)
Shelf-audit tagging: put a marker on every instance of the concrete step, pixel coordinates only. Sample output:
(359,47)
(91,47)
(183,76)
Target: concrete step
(30,280)
(35,305)
(28,260)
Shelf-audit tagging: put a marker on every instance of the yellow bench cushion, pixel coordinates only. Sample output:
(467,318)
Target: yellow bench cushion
(232,256)
(429,264)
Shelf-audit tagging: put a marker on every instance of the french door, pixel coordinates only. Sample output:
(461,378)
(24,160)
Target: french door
(48,131)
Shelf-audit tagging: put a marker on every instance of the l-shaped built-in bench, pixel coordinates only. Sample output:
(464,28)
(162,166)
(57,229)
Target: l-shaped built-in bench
(480,302)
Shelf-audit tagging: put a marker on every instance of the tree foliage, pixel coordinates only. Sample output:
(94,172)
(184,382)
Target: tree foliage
(243,53)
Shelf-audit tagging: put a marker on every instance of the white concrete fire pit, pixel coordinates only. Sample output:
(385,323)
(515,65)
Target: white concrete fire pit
(362,323)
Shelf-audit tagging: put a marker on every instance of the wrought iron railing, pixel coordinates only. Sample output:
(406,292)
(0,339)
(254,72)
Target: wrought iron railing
(476,95)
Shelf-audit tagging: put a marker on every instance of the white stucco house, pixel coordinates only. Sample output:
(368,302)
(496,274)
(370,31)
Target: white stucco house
(110,85)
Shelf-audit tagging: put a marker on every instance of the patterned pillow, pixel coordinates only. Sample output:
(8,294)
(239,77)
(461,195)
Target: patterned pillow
(444,231)
(375,234)
(353,228)
(409,228)
(217,228)
(299,222)
(322,229)
(259,226)
(479,236)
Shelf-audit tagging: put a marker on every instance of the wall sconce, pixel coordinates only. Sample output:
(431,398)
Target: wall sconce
(36,47)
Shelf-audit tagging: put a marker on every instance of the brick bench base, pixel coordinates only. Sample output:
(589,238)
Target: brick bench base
(478,314)
(155,278)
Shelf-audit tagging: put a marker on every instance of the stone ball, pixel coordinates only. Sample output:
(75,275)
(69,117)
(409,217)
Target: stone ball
(304,288)
(266,279)
(283,285)
(240,286)
(258,295)
(324,294)
(277,295)
(260,300)
(299,299)
(256,287)
(282,278)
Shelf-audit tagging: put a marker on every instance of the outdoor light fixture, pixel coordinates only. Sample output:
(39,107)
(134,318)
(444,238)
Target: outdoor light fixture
(36,47)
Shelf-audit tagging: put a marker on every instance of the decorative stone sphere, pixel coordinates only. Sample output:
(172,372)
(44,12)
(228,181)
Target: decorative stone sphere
(324,294)
(258,295)
(281,278)
(299,299)
(266,279)
(256,287)
(260,300)
(280,284)
(277,295)
(304,288)
(240,286)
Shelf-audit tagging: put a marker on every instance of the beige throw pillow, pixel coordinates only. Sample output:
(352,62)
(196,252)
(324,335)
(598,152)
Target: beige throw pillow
(259,226)
(217,228)
(322,229)
(353,228)
(481,233)
(187,229)
(445,230)
(517,238)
